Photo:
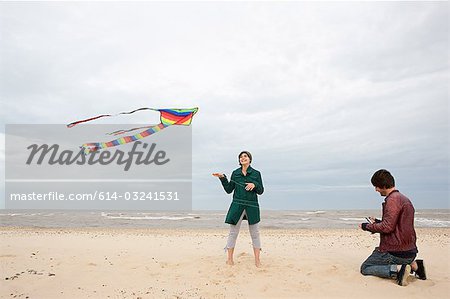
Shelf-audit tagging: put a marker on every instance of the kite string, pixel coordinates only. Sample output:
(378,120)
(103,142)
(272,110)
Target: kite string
(120,132)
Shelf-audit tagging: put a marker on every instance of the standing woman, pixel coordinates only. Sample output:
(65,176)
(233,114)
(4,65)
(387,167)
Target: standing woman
(247,184)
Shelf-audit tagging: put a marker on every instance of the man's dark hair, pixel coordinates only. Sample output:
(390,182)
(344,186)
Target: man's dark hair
(383,179)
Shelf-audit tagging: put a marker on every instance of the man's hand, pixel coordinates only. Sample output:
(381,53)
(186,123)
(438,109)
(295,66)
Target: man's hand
(363,225)
(218,175)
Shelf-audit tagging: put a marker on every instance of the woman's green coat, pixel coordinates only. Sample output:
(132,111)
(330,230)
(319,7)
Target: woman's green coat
(242,199)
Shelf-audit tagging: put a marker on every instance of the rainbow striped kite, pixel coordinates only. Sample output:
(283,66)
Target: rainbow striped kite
(168,117)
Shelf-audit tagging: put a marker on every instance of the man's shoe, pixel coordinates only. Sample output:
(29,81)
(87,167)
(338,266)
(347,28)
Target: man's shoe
(420,272)
(402,275)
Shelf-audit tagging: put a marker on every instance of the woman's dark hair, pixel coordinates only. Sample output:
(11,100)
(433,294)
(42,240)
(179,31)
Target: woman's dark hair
(244,152)
(383,179)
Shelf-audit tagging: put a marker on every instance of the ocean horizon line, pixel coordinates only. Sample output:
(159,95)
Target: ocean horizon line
(198,219)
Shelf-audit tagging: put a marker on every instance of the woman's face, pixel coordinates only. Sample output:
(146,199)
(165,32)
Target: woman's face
(244,159)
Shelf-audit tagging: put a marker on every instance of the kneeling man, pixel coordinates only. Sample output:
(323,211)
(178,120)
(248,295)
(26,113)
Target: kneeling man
(395,257)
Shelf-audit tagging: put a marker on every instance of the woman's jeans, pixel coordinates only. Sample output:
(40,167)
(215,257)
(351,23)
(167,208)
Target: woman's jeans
(383,264)
(234,232)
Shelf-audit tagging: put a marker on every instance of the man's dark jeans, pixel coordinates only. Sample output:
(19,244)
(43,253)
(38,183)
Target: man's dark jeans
(383,264)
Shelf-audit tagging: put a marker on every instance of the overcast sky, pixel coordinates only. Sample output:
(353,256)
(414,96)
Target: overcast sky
(322,94)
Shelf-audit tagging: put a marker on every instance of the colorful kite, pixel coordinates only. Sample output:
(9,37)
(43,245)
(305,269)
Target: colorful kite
(168,117)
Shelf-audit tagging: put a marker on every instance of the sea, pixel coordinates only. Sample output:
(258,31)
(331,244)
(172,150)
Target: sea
(203,219)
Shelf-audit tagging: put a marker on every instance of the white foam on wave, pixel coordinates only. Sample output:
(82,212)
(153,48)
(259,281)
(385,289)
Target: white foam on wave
(131,217)
(353,219)
(315,212)
(20,214)
(432,222)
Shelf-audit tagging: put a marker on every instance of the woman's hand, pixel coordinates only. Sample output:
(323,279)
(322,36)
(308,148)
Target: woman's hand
(249,186)
(218,175)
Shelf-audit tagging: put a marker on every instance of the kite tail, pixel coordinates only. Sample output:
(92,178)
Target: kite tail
(96,146)
(87,119)
(107,115)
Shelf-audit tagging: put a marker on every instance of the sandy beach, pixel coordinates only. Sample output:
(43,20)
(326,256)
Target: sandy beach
(139,263)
